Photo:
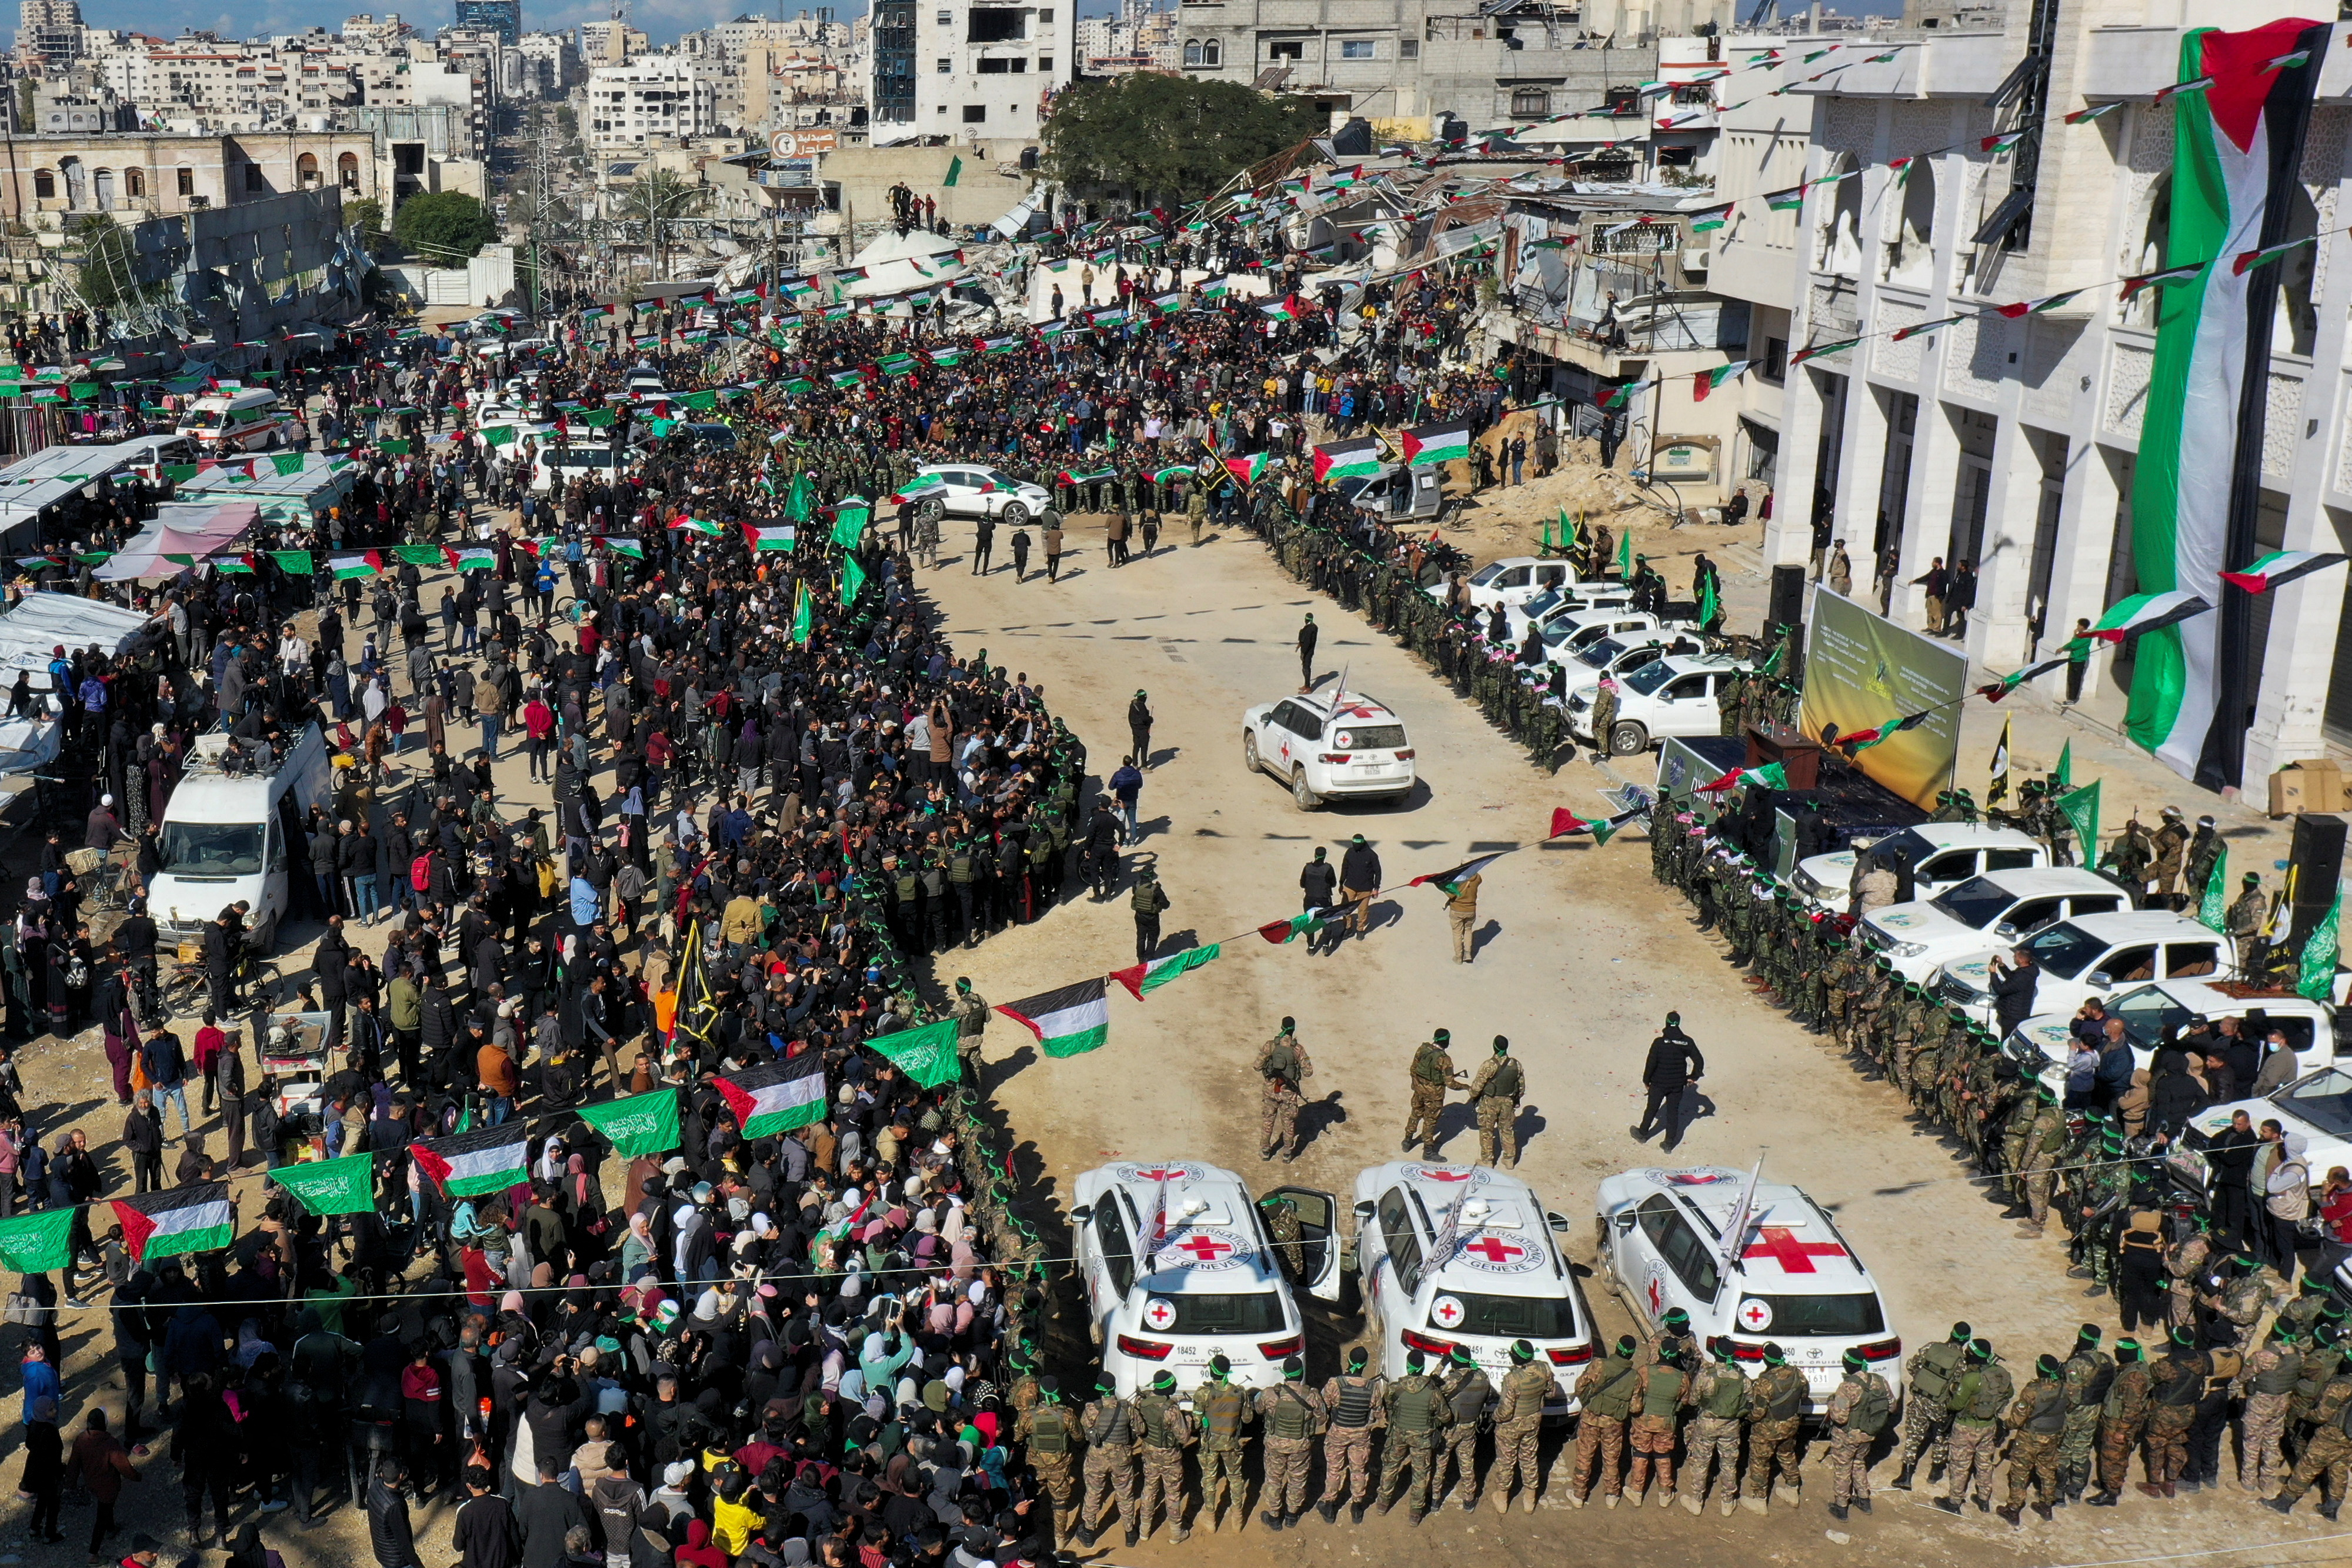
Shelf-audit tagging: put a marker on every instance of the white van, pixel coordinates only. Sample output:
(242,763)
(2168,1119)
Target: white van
(251,419)
(229,834)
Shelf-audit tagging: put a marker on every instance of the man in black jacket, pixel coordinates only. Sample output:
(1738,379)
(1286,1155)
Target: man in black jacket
(389,1535)
(546,1514)
(486,1534)
(1360,878)
(2014,985)
(1673,1065)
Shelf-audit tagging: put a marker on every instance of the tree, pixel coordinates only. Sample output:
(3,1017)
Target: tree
(367,216)
(445,227)
(1169,136)
(105,280)
(657,201)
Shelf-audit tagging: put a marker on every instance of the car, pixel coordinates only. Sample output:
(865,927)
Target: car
(1397,494)
(1505,1276)
(1791,1279)
(711,436)
(602,461)
(1621,657)
(1513,580)
(1936,854)
(1568,599)
(1567,631)
(2316,1106)
(1984,915)
(1678,695)
(2094,956)
(2162,1009)
(1178,1267)
(971,489)
(1330,745)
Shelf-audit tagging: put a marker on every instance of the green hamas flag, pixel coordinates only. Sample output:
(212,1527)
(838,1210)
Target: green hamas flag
(331,1186)
(639,1125)
(287,463)
(849,526)
(1707,605)
(2081,810)
(298,562)
(40,1242)
(853,579)
(2063,775)
(955,173)
(2317,982)
(803,613)
(1626,556)
(927,1055)
(2213,910)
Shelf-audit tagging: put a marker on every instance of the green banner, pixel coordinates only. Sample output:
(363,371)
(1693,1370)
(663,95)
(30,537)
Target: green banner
(331,1186)
(296,563)
(2081,811)
(640,1125)
(37,1243)
(2317,982)
(927,1055)
(2214,911)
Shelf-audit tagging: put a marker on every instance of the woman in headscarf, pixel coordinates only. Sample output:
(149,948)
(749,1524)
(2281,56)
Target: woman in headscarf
(581,1205)
(638,1250)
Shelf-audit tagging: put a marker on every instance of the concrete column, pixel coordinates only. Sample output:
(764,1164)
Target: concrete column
(1935,479)
(1861,471)
(2080,567)
(1787,537)
(1996,633)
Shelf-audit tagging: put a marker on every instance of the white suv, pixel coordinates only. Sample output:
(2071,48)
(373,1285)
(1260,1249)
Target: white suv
(1984,915)
(968,489)
(1179,1267)
(2094,956)
(1328,747)
(1938,855)
(1671,696)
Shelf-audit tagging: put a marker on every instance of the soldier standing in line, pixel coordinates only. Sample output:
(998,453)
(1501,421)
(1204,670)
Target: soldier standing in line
(1778,1399)
(1417,1420)
(2178,1386)
(1292,1418)
(1495,1089)
(2044,1141)
(2168,850)
(1351,1402)
(2036,1419)
(1284,1069)
(1526,1388)
(1223,1411)
(1605,1393)
(1720,1392)
(2184,1261)
(1109,1427)
(1168,1431)
(2090,1372)
(1467,1395)
(969,1010)
(1976,1403)
(2245,918)
(1433,1074)
(1857,1413)
(1025,1394)
(2123,1416)
(1051,1439)
(1659,1394)
(2271,1374)
(2328,1454)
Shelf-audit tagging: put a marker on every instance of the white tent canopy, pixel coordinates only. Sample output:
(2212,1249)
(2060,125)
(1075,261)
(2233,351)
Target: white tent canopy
(890,260)
(30,485)
(29,633)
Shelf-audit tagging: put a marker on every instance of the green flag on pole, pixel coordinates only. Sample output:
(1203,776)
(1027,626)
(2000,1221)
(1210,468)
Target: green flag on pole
(638,1124)
(800,500)
(955,173)
(331,1186)
(849,526)
(39,1242)
(2317,982)
(2063,775)
(1626,556)
(1707,607)
(803,615)
(853,579)
(2212,914)
(927,1055)
(2081,810)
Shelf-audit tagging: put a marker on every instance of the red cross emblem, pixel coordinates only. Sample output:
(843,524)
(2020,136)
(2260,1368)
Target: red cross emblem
(1207,1248)
(1159,1314)
(1447,1311)
(1780,1245)
(1169,1174)
(1657,1294)
(1447,1175)
(1493,1250)
(1755,1316)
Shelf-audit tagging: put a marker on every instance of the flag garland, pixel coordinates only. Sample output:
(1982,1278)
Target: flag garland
(2279,568)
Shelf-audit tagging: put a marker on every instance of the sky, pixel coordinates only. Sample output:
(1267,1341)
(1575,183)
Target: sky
(663,19)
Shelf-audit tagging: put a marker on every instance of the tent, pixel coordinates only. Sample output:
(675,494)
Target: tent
(891,259)
(192,530)
(31,485)
(33,629)
(300,498)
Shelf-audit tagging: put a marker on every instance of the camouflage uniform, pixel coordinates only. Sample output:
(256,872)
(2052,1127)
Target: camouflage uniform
(1167,1431)
(1660,1393)
(1418,1418)
(1495,1089)
(1605,1392)
(1351,1403)
(1283,1080)
(2045,1141)
(2038,1418)
(1052,1437)
(1518,1419)
(2123,1416)
(2270,1377)
(1433,1074)
(2087,1375)
(1467,1394)
(2328,1460)
(1720,1392)
(1976,1403)
(1857,1413)
(1778,1398)
(1292,1418)
(1223,1410)
(2184,1261)
(1110,1429)
(970,1011)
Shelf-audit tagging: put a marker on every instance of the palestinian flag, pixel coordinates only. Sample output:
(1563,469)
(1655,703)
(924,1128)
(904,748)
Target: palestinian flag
(2205,83)
(1283,309)
(1280,931)
(927,1055)
(1091,475)
(776,1099)
(174,1222)
(1619,396)
(348,566)
(1145,978)
(1918,328)
(2086,115)
(1216,290)
(895,364)
(1168,304)
(2008,683)
(2280,567)
(1709,219)
(1814,350)
(844,379)
(946,356)
(1999,140)
(770,539)
(1998,791)
(2144,612)
(1451,882)
(997,346)
(798,385)
(2047,303)
(1073,1019)
(2236,149)
(1785,201)
(1427,443)
(701,525)
(485,1160)
(2168,275)
(1247,470)
(331,1186)
(620,546)
(2269,253)
(1707,381)
(1109,317)
(1170,476)
(1357,459)
(1052,331)
(474,558)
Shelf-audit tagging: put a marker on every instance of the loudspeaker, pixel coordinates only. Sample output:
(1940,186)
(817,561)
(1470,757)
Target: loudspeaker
(1788,599)
(2319,861)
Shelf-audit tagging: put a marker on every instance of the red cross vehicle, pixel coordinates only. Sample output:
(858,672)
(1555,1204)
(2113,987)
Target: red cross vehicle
(1464,1256)
(1181,1265)
(1753,1261)
(1330,745)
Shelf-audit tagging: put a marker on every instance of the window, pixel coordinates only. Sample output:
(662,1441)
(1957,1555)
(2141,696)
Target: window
(2010,860)
(1204,53)
(993,25)
(999,66)
(1286,49)
(1110,1234)
(1356,49)
(946,64)
(2188,958)
(973,113)
(45,185)
(134,183)
(253,181)
(1529,100)
(1255,1313)
(947,18)
(1775,364)
(1046,16)
(1044,65)
(1514,1317)
(1692,1260)
(1409,48)
(1403,1242)
(1833,1317)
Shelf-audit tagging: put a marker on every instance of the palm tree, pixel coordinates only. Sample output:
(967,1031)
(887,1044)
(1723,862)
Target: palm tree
(657,200)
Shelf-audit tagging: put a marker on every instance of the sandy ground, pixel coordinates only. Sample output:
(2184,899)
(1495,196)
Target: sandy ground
(1581,954)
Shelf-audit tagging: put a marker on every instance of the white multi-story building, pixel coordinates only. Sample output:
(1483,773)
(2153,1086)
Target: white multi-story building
(2011,445)
(655,99)
(955,68)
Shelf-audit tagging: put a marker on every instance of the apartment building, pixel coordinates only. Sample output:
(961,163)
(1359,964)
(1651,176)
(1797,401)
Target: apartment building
(955,68)
(653,100)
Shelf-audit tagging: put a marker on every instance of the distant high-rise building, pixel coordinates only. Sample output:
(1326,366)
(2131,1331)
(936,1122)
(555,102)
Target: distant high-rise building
(50,30)
(503,17)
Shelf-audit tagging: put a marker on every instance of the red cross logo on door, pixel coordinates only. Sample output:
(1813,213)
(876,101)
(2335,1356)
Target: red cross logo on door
(1494,1250)
(1657,1294)
(1207,1248)
(1780,1244)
